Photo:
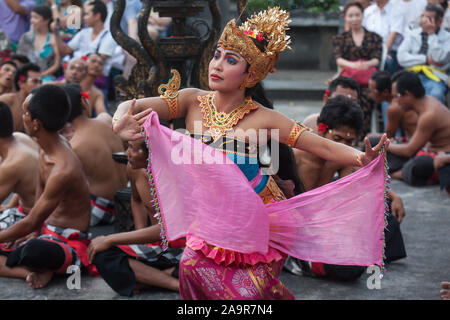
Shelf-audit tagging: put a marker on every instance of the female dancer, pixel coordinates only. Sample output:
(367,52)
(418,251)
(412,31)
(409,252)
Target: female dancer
(224,116)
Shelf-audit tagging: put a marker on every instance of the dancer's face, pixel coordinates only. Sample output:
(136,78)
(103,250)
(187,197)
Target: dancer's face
(227,70)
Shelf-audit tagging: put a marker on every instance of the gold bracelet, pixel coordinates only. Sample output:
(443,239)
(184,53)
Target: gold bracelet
(358,160)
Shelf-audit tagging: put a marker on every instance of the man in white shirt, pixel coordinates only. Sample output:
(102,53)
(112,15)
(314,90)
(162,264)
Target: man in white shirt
(426,51)
(386,18)
(95,38)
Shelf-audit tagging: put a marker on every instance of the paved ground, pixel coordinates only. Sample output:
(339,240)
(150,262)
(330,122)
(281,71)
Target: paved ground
(425,231)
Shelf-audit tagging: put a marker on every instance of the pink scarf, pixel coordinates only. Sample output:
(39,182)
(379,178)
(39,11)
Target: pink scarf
(198,190)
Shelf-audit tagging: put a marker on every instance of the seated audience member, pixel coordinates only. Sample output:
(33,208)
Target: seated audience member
(19,59)
(15,18)
(341,86)
(340,120)
(386,18)
(94,71)
(39,45)
(7,71)
(62,209)
(74,72)
(95,38)
(127,267)
(94,142)
(397,122)
(26,79)
(426,51)
(358,54)
(413,161)
(19,170)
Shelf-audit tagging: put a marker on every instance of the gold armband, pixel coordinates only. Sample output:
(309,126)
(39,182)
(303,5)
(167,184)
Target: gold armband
(295,133)
(169,92)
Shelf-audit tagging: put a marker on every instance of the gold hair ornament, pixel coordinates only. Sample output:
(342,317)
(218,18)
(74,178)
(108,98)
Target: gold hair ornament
(270,25)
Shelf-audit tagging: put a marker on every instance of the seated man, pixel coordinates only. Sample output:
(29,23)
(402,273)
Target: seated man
(426,51)
(397,121)
(62,210)
(413,161)
(94,142)
(343,86)
(341,120)
(19,170)
(74,72)
(26,79)
(94,71)
(127,267)
(7,71)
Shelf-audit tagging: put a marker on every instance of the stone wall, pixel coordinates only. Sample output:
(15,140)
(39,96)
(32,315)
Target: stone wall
(312,46)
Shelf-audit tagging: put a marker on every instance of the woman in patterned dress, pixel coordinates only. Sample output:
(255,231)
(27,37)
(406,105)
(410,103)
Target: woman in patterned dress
(358,49)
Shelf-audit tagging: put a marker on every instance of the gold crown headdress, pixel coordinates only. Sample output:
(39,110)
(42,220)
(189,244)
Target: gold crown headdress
(270,25)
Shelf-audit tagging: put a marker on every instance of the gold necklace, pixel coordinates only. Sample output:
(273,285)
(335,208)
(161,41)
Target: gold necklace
(221,122)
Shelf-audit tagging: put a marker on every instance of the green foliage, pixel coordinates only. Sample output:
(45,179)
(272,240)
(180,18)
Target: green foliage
(317,6)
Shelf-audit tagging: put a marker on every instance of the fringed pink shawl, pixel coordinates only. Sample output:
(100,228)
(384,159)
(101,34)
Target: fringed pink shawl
(199,191)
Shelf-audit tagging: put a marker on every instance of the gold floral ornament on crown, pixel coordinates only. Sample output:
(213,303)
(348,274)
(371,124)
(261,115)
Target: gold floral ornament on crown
(169,92)
(219,123)
(269,25)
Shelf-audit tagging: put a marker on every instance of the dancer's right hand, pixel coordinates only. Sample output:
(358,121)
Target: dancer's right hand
(128,127)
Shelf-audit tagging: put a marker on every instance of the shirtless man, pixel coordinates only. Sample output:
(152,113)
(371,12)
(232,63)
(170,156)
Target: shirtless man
(341,120)
(413,161)
(26,79)
(396,118)
(19,155)
(62,208)
(75,71)
(94,71)
(127,268)
(343,86)
(7,71)
(94,142)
